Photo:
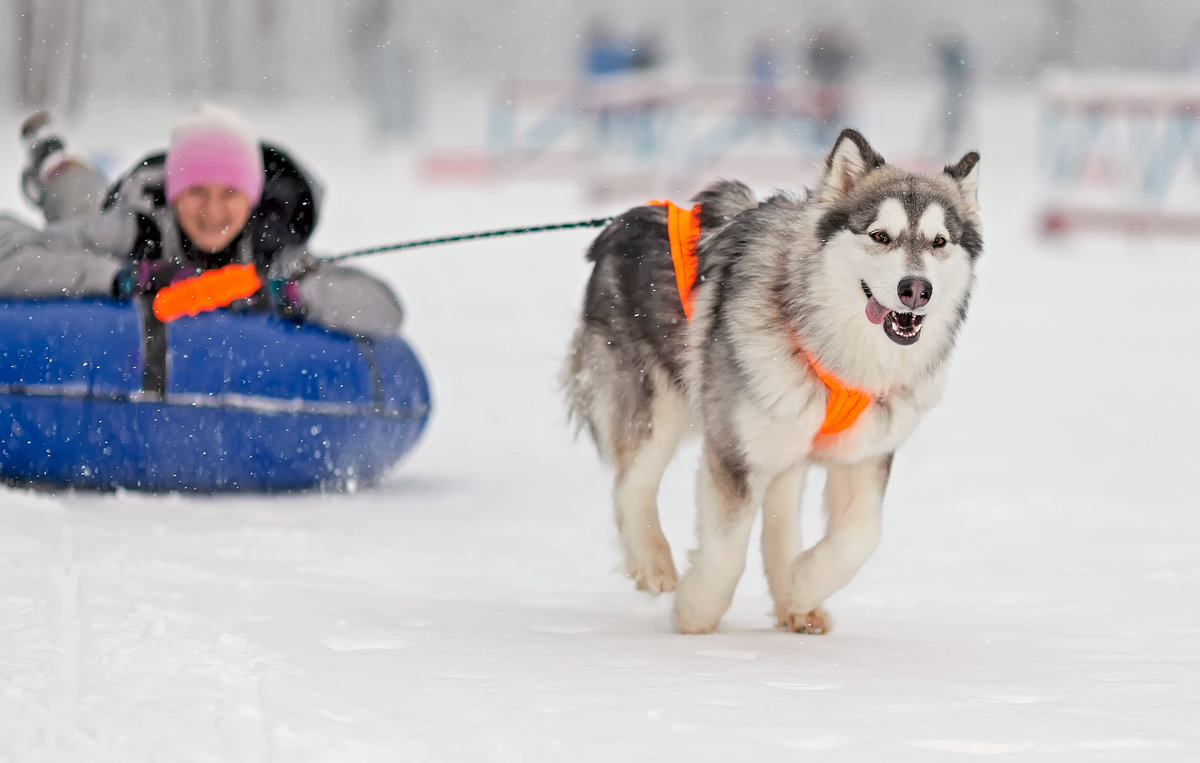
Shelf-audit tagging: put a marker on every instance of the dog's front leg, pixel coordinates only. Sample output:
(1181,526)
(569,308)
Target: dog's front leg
(781,534)
(724,518)
(853,507)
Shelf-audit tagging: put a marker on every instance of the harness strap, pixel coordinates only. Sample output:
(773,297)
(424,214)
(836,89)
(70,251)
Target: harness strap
(844,405)
(683,230)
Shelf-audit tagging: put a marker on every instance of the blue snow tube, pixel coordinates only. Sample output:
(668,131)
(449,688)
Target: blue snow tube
(99,394)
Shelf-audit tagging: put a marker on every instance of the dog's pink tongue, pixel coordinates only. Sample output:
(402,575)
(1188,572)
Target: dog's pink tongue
(876,312)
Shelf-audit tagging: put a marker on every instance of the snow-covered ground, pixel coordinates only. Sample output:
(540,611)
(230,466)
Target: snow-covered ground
(1036,595)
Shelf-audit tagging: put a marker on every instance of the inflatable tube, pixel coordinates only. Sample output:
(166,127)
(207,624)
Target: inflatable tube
(99,394)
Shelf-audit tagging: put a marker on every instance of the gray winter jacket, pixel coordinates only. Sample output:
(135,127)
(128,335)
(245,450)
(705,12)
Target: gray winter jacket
(82,256)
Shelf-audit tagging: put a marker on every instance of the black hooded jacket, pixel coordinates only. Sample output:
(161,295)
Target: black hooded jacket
(284,218)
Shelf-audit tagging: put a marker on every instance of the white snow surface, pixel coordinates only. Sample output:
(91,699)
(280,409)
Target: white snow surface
(1036,595)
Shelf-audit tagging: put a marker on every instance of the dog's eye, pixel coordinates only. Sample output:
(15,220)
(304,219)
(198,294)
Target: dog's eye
(939,242)
(880,237)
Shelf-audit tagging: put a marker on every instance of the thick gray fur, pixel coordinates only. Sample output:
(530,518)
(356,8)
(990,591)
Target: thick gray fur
(779,282)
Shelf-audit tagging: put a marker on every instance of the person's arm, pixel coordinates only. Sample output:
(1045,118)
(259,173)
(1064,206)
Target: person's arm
(338,298)
(60,261)
(88,256)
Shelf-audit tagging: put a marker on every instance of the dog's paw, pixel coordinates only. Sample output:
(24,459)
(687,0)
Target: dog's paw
(656,574)
(816,622)
(651,567)
(693,626)
(695,611)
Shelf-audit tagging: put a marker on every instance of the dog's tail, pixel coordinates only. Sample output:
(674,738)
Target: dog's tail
(577,384)
(722,201)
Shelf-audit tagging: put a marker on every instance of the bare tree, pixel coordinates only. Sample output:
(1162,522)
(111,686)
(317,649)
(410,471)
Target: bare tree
(77,73)
(23,26)
(269,48)
(220,45)
(49,52)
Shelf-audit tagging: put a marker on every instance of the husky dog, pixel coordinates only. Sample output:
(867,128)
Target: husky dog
(863,285)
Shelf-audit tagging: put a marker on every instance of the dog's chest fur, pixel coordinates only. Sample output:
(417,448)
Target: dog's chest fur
(749,382)
(777,417)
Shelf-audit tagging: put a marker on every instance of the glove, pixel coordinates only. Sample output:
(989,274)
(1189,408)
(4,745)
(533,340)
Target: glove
(282,274)
(143,191)
(131,220)
(285,298)
(144,277)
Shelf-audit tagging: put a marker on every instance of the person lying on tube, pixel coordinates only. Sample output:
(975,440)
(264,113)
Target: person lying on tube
(218,221)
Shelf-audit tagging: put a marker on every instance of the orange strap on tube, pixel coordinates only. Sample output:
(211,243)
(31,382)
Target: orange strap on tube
(208,291)
(683,231)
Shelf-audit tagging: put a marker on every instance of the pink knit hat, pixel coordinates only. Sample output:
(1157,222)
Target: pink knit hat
(213,145)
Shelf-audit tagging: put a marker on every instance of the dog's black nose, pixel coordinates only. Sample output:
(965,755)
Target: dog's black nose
(914,292)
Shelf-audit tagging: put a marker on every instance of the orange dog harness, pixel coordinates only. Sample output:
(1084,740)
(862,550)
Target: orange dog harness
(845,403)
(683,229)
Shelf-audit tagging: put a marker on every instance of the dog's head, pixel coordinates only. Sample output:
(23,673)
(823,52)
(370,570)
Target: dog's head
(898,248)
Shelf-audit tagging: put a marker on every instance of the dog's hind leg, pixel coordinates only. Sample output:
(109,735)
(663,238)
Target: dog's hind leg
(853,507)
(781,535)
(724,518)
(640,469)
(636,418)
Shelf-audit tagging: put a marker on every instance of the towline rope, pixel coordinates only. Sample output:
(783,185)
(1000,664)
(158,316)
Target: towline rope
(598,222)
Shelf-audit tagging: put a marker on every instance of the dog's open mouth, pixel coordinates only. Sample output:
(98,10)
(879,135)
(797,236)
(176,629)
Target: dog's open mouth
(901,328)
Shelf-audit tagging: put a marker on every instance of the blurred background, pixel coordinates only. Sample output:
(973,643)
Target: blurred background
(1036,591)
(626,98)
(72,51)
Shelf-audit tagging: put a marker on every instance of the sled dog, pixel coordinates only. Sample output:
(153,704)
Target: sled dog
(819,333)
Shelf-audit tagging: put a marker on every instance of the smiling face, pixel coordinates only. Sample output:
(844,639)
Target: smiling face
(212,216)
(910,251)
(880,289)
(902,244)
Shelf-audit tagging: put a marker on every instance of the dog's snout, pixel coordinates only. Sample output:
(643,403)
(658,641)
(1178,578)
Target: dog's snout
(914,292)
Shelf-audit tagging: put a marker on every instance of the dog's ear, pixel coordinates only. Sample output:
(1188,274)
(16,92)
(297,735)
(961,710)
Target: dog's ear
(966,175)
(850,159)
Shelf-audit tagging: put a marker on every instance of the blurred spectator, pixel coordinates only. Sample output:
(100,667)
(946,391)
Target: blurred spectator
(759,111)
(603,55)
(645,52)
(764,79)
(954,71)
(387,67)
(623,89)
(829,58)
